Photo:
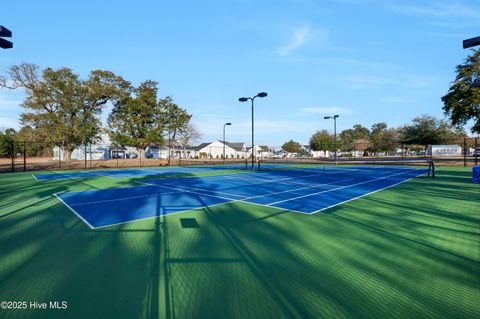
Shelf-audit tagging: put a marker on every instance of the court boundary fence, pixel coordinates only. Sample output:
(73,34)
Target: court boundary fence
(23,156)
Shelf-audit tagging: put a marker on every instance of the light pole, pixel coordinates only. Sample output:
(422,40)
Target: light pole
(245,99)
(224,140)
(171,117)
(334,132)
(85,136)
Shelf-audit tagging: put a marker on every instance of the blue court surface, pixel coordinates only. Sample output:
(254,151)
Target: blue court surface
(306,191)
(143,172)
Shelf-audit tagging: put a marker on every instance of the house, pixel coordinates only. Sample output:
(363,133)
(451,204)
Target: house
(215,150)
(98,150)
(259,151)
(157,152)
(101,149)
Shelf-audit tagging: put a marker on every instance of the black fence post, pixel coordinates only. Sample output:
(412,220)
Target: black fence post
(464,152)
(24,156)
(12,153)
(476,151)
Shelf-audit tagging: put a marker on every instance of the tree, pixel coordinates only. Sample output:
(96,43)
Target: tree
(136,120)
(382,138)
(7,137)
(462,102)
(427,130)
(322,141)
(61,106)
(139,119)
(349,137)
(188,134)
(174,117)
(34,146)
(291,147)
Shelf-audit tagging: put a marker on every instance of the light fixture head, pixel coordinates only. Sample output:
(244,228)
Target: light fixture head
(262,94)
(243,99)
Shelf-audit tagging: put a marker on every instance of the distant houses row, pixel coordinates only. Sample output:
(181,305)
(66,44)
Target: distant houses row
(103,150)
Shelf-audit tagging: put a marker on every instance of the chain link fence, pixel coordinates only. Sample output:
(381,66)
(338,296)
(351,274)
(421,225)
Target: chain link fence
(456,152)
(30,156)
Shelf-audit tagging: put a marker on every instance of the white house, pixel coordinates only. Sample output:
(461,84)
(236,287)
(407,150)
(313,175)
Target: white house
(215,150)
(157,152)
(101,149)
(259,151)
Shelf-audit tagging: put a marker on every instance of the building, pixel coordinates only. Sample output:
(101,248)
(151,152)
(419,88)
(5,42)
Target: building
(259,151)
(215,150)
(157,152)
(101,149)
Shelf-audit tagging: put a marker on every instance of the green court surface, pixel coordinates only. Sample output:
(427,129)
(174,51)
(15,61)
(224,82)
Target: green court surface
(409,251)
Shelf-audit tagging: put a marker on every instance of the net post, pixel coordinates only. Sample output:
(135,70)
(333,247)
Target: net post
(431,169)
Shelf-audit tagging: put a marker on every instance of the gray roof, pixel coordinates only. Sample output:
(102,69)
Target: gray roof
(236,146)
(199,147)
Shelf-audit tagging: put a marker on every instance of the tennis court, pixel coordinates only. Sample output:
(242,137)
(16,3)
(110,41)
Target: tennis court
(286,241)
(301,190)
(146,172)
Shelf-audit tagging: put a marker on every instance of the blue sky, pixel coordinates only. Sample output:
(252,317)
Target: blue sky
(368,61)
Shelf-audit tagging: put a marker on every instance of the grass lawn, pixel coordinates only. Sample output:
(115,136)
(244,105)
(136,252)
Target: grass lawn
(410,251)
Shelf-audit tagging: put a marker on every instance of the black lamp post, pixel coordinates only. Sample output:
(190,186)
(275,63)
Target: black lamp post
(245,99)
(224,140)
(85,136)
(334,132)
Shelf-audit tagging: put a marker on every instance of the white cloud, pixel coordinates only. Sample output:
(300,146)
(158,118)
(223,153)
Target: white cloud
(300,36)
(327,110)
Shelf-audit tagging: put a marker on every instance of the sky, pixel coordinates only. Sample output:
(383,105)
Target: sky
(367,61)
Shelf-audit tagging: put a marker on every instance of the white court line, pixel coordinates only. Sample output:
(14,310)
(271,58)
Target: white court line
(185,190)
(334,189)
(314,212)
(101,175)
(265,181)
(167,214)
(271,180)
(34,177)
(120,199)
(229,200)
(73,210)
(296,189)
(207,190)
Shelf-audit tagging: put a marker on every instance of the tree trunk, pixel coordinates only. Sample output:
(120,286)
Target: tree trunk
(67,153)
